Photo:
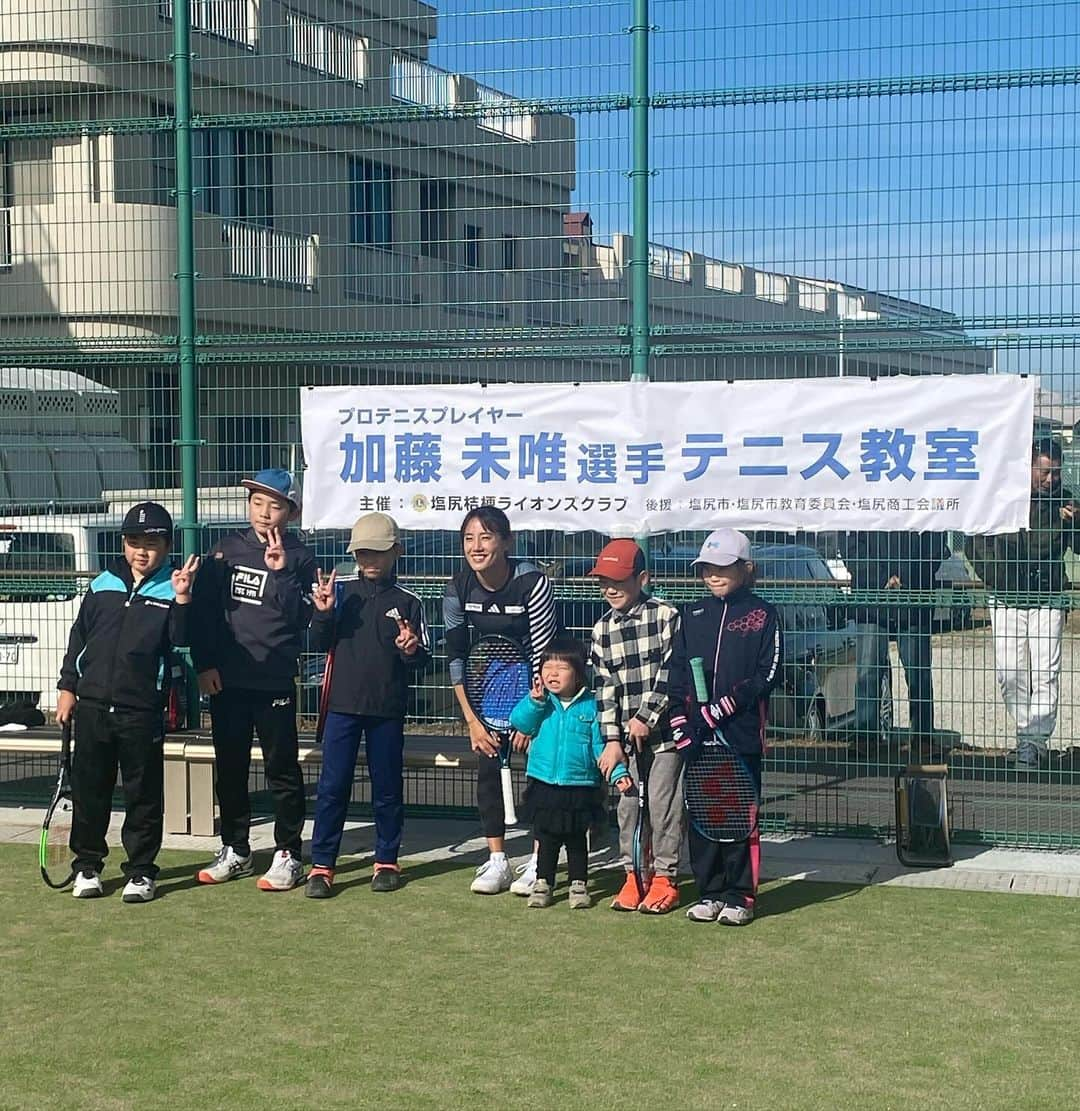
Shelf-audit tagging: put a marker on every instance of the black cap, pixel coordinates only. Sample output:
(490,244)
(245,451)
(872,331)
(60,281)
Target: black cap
(147,519)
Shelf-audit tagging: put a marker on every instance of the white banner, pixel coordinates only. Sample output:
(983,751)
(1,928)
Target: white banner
(631,457)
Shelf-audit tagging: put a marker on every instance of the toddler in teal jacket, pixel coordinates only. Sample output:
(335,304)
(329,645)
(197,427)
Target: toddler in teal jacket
(561,798)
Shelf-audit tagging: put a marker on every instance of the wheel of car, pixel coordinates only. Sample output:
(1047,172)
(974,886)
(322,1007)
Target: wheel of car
(814,722)
(885,706)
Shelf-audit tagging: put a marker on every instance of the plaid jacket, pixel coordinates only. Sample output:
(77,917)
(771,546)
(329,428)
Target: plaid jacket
(630,654)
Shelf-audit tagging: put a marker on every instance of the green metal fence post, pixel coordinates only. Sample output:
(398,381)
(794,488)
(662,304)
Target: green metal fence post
(185,307)
(639,202)
(185,279)
(639,177)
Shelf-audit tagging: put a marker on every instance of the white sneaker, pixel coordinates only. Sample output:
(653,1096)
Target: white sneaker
(285,873)
(228,865)
(139,889)
(492,877)
(87,886)
(733,915)
(526,874)
(708,910)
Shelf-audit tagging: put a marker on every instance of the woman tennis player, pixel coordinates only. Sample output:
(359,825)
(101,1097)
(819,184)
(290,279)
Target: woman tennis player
(494,594)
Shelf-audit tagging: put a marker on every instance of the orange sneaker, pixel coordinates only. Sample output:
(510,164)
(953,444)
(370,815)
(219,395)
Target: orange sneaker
(628,897)
(663,896)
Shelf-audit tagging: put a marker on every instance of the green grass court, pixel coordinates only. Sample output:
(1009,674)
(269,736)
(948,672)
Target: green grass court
(837,997)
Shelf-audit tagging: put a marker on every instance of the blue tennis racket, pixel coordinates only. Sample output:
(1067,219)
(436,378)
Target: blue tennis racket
(498,675)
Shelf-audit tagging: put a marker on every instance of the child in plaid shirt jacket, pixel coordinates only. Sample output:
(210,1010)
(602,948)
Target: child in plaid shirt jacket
(631,647)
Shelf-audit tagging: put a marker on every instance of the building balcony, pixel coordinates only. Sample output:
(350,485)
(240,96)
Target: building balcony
(115,264)
(417,82)
(234,20)
(266,255)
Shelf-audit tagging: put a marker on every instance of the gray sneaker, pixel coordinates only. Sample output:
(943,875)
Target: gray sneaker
(541,895)
(579,895)
(708,910)
(733,915)
(284,873)
(227,865)
(1028,755)
(492,877)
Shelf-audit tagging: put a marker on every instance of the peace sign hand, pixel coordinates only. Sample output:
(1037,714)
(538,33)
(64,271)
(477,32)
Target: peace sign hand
(274,557)
(183,579)
(537,694)
(323,595)
(407,641)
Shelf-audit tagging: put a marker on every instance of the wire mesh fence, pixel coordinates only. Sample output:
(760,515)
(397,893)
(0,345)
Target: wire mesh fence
(196,221)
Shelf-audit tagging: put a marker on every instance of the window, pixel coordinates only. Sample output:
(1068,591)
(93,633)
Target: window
(371,204)
(32,566)
(234,175)
(255,178)
(327,48)
(437,201)
(108,545)
(163,168)
(244,446)
(509,252)
(163,427)
(473,235)
(214,155)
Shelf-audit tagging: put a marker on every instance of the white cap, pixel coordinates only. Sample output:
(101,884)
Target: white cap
(723,547)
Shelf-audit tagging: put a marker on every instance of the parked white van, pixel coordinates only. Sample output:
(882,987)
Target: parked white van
(47,563)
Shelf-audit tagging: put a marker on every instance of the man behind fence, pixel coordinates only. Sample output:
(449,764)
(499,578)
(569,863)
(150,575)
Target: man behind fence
(902,564)
(1025,581)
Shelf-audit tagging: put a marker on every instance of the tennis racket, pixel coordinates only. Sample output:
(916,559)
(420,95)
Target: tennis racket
(722,801)
(324,696)
(328,666)
(498,675)
(54,855)
(641,855)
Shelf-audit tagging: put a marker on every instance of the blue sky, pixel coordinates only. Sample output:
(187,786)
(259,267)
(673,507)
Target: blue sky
(967,201)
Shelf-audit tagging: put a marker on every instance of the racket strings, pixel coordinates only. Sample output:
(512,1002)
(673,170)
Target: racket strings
(721,797)
(497,678)
(58,835)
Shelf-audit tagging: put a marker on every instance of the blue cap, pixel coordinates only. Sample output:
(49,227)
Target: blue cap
(277,482)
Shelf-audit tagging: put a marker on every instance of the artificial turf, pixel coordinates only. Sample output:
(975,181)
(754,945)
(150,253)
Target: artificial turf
(836,997)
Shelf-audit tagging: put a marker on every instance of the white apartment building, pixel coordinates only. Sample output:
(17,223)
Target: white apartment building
(319,245)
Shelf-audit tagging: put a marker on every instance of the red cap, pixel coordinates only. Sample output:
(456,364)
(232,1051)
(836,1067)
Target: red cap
(619,559)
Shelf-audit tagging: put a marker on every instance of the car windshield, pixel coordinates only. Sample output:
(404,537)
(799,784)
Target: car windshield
(37,566)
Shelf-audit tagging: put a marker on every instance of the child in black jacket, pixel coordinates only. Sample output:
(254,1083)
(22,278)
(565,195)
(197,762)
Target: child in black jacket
(737,635)
(113,684)
(252,607)
(377,638)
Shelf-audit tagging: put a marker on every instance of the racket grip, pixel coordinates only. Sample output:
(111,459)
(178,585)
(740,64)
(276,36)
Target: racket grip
(701,689)
(509,811)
